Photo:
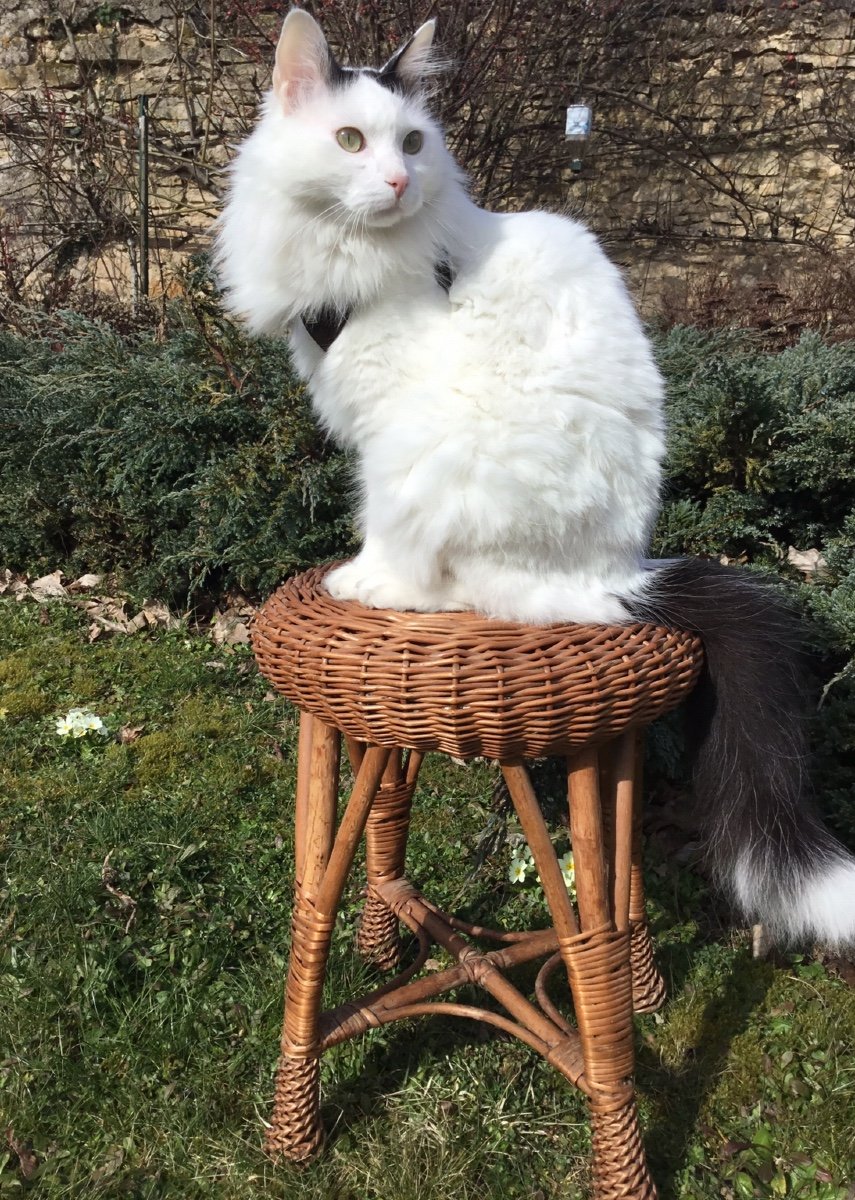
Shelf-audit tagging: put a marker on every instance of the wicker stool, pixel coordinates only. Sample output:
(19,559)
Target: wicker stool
(398,685)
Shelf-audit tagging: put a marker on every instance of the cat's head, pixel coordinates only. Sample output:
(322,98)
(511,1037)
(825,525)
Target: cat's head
(360,143)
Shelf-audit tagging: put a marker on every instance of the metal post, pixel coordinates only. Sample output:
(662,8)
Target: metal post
(142,152)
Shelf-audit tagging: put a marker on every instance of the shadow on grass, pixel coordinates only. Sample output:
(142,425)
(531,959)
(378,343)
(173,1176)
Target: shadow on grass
(380,1062)
(680,1093)
(381,1065)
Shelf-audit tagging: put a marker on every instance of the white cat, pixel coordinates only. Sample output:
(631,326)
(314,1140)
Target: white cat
(508,430)
(509,433)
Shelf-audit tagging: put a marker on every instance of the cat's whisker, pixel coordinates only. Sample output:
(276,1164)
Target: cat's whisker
(302,230)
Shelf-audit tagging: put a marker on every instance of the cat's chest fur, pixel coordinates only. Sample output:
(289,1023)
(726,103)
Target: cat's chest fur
(535,330)
(382,355)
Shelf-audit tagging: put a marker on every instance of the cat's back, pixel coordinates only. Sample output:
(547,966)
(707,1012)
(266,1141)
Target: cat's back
(535,245)
(544,262)
(538,303)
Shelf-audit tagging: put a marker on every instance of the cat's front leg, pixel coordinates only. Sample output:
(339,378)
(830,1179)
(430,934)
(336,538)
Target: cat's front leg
(375,581)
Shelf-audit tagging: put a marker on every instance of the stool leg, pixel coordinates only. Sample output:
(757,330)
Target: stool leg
(295,1128)
(597,962)
(323,859)
(379,937)
(598,968)
(648,987)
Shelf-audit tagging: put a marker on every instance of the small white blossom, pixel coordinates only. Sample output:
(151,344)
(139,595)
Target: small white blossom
(519,870)
(568,869)
(78,722)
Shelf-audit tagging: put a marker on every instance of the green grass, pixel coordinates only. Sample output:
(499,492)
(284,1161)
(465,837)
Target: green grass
(138,1037)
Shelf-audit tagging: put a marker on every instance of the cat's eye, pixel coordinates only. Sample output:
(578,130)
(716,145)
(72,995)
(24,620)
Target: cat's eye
(413,142)
(350,139)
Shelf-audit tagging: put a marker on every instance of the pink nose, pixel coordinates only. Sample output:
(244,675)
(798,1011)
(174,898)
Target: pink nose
(399,184)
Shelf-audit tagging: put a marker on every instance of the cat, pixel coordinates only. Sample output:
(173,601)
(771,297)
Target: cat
(505,407)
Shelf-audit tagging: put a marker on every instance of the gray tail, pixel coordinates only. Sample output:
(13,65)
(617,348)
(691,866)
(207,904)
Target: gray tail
(767,846)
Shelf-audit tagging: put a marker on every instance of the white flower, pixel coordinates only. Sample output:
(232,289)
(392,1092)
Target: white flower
(519,870)
(78,722)
(568,869)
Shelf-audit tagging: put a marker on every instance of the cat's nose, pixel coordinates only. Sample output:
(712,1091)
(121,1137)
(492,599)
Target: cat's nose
(399,183)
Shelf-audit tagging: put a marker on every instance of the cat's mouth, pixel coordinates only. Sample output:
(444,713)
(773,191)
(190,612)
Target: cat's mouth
(386,216)
(399,210)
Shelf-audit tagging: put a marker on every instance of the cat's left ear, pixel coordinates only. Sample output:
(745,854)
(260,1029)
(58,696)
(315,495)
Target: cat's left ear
(413,61)
(304,61)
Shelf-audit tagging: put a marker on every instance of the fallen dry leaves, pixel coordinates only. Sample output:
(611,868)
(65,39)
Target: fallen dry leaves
(109,614)
(230,626)
(109,879)
(130,733)
(27,1161)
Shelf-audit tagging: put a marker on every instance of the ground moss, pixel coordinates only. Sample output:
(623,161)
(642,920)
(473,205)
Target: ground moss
(145,897)
(14,670)
(27,702)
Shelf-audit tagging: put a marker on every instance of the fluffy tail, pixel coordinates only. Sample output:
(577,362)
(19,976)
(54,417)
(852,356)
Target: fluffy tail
(767,846)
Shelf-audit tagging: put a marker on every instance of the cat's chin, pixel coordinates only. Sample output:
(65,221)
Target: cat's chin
(385,218)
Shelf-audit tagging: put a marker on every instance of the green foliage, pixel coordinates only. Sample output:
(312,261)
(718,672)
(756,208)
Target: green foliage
(192,460)
(761,457)
(179,463)
(145,896)
(761,446)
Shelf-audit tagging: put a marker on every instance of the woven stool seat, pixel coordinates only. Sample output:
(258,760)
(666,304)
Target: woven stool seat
(461,683)
(398,685)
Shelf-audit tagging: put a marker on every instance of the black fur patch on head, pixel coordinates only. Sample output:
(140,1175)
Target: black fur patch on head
(388,78)
(340,77)
(337,76)
(387,75)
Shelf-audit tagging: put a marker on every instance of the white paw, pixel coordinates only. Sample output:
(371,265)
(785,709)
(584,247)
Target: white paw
(343,581)
(376,588)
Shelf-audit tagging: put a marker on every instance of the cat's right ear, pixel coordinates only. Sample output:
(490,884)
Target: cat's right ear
(303,59)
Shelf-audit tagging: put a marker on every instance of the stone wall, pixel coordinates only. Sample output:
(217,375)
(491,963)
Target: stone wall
(722,147)
(752,183)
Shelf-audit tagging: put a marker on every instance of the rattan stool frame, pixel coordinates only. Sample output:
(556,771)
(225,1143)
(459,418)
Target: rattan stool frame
(603,943)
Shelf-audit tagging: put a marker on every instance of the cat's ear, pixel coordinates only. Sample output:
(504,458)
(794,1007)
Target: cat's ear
(303,59)
(413,61)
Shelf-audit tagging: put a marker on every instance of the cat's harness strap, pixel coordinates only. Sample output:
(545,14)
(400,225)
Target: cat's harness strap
(326,325)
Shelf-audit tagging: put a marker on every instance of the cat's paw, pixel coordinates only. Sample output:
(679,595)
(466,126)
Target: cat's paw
(376,588)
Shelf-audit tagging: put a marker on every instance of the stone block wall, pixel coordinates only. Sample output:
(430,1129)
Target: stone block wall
(722,145)
(736,159)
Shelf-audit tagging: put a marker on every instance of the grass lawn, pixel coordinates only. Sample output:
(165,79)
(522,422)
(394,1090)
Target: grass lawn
(144,907)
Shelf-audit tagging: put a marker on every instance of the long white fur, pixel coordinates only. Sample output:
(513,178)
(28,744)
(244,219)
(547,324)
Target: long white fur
(509,434)
(803,905)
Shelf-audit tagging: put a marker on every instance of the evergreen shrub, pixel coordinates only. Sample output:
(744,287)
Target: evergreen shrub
(761,459)
(187,462)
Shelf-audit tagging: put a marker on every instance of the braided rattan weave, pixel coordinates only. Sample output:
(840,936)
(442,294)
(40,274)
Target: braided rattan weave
(459,683)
